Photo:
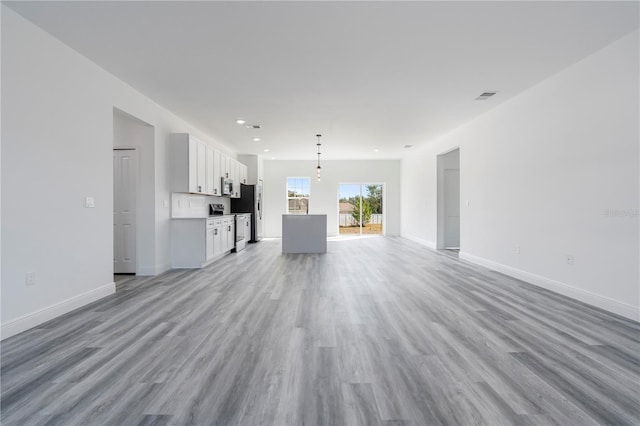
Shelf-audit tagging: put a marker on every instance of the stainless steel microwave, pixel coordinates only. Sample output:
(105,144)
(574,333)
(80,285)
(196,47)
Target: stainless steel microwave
(227,186)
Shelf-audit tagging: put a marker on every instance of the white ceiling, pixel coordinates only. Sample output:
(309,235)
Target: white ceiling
(367,75)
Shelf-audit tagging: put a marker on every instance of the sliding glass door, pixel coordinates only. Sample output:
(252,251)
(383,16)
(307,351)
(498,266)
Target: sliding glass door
(360,209)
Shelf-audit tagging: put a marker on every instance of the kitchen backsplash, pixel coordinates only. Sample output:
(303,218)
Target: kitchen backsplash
(194,205)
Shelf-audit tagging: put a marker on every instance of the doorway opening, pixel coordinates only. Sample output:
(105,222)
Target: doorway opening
(449,200)
(134,213)
(361,209)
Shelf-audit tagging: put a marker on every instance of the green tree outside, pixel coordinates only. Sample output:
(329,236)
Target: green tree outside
(366,211)
(374,196)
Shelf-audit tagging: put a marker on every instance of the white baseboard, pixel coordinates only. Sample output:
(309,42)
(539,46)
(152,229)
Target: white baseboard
(602,302)
(420,241)
(34,319)
(150,271)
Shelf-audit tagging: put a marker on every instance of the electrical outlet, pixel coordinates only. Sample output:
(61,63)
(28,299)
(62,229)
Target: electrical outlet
(569,259)
(517,249)
(89,202)
(467,203)
(165,203)
(30,278)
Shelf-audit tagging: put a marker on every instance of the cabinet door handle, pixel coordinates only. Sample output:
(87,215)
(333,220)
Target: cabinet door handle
(215,190)
(199,188)
(229,228)
(215,232)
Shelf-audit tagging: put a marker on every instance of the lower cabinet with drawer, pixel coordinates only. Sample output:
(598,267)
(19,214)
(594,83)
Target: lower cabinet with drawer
(197,242)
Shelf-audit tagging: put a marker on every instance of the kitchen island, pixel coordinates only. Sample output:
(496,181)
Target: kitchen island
(304,233)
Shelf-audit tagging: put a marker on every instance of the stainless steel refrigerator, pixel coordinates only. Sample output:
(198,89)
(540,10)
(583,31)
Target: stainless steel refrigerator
(250,201)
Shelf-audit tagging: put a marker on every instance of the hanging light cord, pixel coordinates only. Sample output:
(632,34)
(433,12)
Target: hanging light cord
(318,169)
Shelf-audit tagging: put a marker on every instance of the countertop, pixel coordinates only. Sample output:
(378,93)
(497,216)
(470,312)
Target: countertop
(205,217)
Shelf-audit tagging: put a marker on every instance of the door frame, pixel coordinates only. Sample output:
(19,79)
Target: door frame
(440,196)
(384,205)
(136,201)
(130,131)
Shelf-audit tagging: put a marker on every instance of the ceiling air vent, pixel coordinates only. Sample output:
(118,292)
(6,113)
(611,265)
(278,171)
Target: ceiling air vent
(408,146)
(485,95)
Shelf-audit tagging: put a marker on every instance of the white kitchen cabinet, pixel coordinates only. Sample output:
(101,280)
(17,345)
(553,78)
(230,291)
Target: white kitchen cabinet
(228,234)
(189,164)
(210,240)
(243,173)
(225,163)
(218,245)
(217,173)
(210,170)
(233,174)
(201,166)
(189,243)
(197,242)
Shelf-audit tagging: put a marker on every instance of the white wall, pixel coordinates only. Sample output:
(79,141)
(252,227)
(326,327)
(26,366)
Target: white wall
(57,141)
(324,194)
(541,171)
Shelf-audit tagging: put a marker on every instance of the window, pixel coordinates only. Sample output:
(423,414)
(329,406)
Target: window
(360,209)
(298,195)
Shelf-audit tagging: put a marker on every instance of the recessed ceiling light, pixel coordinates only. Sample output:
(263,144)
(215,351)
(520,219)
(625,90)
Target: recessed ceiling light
(376,150)
(273,158)
(266,150)
(256,139)
(240,121)
(408,146)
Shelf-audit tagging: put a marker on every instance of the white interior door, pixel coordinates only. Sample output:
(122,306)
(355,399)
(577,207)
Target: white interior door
(452,208)
(125,178)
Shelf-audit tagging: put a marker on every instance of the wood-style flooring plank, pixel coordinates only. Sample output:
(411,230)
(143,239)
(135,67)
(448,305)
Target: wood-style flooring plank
(378,331)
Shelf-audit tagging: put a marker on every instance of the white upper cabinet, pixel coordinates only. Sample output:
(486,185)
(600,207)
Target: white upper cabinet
(201,161)
(188,164)
(210,172)
(217,174)
(198,168)
(226,170)
(193,166)
(233,175)
(243,173)
(223,162)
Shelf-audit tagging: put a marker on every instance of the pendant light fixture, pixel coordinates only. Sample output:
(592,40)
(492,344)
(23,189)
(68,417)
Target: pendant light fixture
(318,169)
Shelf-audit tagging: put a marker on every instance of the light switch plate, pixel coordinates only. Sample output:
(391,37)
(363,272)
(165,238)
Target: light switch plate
(89,202)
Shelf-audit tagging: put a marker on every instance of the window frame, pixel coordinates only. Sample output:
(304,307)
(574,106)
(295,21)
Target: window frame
(305,185)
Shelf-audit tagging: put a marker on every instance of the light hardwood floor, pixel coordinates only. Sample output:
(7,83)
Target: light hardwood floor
(377,331)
